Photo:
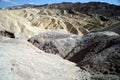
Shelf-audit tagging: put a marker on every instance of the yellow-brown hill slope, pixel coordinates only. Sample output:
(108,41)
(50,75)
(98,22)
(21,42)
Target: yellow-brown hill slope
(26,22)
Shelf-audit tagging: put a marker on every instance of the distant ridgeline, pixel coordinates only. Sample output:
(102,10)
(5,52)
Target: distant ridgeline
(105,9)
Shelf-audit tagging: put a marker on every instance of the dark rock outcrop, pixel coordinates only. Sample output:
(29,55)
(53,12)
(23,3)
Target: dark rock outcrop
(7,34)
(97,53)
(101,56)
(55,41)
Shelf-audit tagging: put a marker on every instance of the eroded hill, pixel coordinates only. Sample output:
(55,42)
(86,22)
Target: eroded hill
(26,21)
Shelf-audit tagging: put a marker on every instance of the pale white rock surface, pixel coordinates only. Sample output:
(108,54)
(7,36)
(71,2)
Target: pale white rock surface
(19,60)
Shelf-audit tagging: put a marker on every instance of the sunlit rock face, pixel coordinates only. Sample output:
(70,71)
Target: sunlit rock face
(20,60)
(97,53)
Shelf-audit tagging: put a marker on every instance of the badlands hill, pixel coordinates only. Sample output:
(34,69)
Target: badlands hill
(61,41)
(27,20)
